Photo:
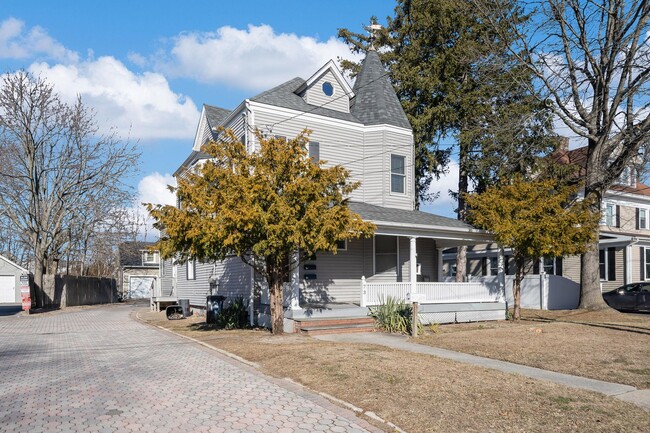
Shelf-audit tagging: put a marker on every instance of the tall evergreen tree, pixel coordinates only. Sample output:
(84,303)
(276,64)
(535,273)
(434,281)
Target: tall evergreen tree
(459,82)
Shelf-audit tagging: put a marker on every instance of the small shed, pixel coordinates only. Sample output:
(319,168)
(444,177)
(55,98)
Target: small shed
(139,270)
(10,273)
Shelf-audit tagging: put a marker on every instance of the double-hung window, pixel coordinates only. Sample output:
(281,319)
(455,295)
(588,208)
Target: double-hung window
(643,218)
(609,215)
(397,174)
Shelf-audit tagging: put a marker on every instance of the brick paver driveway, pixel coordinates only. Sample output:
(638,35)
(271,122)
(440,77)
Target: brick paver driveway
(98,370)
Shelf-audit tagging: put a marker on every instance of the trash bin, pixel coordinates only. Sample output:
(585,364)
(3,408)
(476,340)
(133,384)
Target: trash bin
(185,305)
(213,306)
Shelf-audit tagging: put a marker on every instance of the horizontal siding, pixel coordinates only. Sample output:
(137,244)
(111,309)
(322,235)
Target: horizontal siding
(339,101)
(399,144)
(571,268)
(195,290)
(234,278)
(374,167)
(166,281)
(338,275)
(338,145)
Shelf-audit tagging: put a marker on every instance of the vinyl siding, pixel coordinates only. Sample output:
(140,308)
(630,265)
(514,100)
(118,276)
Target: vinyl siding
(166,280)
(234,278)
(398,144)
(195,290)
(338,275)
(339,101)
(571,268)
(374,167)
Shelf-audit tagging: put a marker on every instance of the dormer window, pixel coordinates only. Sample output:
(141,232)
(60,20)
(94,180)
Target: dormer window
(627,177)
(148,257)
(328,89)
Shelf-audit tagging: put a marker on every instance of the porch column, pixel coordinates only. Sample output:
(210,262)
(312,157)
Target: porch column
(440,264)
(413,260)
(295,282)
(501,272)
(627,267)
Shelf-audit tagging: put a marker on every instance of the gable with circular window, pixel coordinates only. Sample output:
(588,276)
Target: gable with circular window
(328,89)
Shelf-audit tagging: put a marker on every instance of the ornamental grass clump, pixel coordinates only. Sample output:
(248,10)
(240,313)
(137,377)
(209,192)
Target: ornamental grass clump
(393,315)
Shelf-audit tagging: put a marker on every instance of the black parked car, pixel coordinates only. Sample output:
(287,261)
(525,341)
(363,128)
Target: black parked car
(631,297)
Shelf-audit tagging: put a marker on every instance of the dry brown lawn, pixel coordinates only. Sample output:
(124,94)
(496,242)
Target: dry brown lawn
(420,393)
(605,345)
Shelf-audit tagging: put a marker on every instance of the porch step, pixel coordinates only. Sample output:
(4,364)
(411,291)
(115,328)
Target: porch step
(338,329)
(334,324)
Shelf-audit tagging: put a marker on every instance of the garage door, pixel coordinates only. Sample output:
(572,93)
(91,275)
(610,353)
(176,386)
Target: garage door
(7,289)
(140,287)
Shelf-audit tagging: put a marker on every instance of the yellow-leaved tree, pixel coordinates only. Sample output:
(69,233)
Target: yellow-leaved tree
(535,218)
(263,206)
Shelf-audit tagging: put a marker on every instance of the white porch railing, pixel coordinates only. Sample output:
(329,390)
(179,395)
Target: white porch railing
(434,293)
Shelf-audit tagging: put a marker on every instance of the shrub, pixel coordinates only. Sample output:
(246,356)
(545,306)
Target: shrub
(234,315)
(394,316)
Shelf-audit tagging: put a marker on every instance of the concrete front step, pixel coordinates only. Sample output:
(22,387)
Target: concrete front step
(337,329)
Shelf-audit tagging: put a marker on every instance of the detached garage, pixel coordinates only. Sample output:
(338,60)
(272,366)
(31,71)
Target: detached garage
(10,281)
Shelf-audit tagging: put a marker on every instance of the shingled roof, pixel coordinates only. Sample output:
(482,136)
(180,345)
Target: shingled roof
(285,96)
(375,102)
(131,254)
(370,212)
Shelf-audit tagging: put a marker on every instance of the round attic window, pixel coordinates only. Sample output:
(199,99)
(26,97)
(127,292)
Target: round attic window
(328,89)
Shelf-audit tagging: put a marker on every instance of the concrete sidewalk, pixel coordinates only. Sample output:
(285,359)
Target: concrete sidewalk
(623,392)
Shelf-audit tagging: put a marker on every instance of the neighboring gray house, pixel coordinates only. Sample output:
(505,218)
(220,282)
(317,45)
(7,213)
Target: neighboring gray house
(10,274)
(139,274)
(364,129)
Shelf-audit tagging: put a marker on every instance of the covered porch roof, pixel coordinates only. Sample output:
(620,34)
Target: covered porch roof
(447,232)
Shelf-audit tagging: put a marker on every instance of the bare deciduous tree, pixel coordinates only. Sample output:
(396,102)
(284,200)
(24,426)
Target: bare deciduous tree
(59,175)
(591,58)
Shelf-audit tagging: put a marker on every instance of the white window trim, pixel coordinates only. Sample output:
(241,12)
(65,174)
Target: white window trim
(606,255)
(191,262)
(604,219)
(645,212)
(345,245)
(390,187)
(146,254)
(489,266)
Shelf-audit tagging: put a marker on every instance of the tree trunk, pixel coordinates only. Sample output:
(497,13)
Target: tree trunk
(276,298)
(461,263)
(463,183)
(591,296)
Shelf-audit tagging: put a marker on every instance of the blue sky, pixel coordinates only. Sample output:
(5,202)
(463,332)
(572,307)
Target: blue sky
(147,67)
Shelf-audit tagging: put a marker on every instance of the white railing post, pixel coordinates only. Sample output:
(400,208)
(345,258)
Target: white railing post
(363,291)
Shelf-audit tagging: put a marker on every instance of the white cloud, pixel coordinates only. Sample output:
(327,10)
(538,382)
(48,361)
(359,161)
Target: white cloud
(254,59)
(153,189)
(17,42)
(139,105)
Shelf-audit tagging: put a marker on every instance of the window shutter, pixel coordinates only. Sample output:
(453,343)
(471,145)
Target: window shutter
(506,265)
(536,266)
(638,218)
(618,216)
(484,266)
(611,264)
(642,261)
(558,266)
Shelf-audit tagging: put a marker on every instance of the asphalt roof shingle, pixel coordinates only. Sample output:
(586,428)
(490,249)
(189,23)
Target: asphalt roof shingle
(131,253)
(372,212)
(285,96)
(375,102)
